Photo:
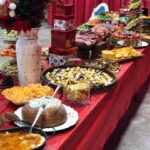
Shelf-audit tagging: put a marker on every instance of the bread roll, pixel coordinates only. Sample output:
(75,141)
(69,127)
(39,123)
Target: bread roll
(53,115)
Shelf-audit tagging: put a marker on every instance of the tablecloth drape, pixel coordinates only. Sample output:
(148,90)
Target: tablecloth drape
(98,120)
(147,5)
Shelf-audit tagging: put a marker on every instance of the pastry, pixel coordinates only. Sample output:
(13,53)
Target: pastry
(108,54)
(121,53)
(77,92)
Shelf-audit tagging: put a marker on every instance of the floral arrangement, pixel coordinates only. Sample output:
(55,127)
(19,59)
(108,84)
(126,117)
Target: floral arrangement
(22,14)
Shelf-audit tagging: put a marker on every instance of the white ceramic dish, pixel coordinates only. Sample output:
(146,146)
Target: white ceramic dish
(71,121)
(141,44)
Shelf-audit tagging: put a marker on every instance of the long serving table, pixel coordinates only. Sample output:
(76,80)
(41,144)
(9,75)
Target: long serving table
(98,120)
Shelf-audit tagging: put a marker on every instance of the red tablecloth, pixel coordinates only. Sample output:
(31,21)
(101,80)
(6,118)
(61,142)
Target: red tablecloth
(98,120)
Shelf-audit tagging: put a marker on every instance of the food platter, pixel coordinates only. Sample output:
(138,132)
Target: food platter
(85,26)
(111,66)
(140,44)
(95,87)
(91,25)
(121,54)
(127,59)
(120,60)
(72,118)
(26,129)
(22,95)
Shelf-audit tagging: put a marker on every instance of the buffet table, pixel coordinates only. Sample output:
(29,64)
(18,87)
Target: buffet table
(98,120)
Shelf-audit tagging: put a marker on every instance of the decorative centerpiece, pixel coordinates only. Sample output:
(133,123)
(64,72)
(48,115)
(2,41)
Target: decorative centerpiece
(25,16)
(63,35)
(133,15)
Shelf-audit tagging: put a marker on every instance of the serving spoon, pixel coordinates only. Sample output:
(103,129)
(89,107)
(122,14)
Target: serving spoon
(56,90)
(40,111)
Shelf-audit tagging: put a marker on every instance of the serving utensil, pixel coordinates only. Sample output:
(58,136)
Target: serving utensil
(2,120)
(14,118)
(40,111)
(56,90)
(90,56)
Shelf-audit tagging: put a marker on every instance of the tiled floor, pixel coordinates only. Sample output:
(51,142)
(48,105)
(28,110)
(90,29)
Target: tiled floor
(133,133)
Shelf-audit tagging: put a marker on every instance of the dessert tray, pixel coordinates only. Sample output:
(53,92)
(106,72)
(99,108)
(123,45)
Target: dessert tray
(100,80)
(72,118)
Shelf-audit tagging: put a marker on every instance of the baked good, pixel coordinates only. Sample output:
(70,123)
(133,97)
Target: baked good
(54,114)
(77,92)
(108,54)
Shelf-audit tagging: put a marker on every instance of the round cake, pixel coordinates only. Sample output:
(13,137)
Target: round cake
(54,114)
